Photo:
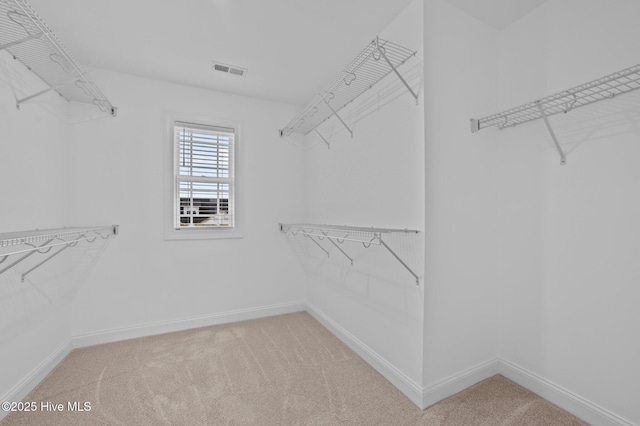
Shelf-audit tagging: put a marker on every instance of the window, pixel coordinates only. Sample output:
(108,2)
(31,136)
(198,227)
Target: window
(204,185)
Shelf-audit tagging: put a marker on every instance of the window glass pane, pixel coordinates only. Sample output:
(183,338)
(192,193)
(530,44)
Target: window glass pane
(203,157)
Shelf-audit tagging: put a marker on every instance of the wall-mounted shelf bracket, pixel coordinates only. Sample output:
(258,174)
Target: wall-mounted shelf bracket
(30,252)
(316,243)
(20,41)
(42,92)
(339,248)
(339,118)
(400,260)
(339,234)
(323,138)
(563,159)
(382,52)
(66,246)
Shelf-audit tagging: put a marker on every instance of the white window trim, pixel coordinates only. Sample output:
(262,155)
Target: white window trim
(200,233)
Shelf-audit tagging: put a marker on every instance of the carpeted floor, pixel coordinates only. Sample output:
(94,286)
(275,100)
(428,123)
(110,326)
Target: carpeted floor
(284,370)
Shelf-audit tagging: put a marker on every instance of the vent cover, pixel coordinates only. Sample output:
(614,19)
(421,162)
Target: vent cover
(229,69)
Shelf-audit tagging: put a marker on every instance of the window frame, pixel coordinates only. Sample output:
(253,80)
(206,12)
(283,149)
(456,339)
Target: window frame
(171,190)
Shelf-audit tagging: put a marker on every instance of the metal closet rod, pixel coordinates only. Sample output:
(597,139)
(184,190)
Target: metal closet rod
(31,41)
(337,234)
(600,89)
(43,241)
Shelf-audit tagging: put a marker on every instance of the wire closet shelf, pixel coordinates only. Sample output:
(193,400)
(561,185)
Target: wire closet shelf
(377,60)
(603,88)
(30,40)
(336,235)
(28,243)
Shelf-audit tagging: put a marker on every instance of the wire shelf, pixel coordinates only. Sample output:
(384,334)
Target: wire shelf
(378,59)
(342,233)
(606,87)
(11,239)
(336,235)
(28,38)
(28,243)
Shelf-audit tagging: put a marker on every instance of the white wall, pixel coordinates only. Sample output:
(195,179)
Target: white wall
(375,179)
(118,176)
(569,288)
(34,184)
(461,313)
(526,259)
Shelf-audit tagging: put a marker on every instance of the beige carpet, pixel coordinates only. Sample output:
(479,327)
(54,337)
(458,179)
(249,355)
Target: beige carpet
(284,370)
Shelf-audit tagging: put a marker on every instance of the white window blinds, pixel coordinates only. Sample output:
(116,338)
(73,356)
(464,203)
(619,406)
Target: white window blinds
(204,176)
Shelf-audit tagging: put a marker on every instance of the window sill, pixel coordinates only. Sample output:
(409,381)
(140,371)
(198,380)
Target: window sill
(201,234)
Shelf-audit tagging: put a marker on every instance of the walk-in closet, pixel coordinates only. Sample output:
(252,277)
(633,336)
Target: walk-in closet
(378,212)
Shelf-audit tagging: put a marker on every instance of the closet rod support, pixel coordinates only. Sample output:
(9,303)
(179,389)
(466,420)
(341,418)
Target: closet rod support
(339,118)
(381,51)
(400,260)
(563,158)
(322,137)
(316,243)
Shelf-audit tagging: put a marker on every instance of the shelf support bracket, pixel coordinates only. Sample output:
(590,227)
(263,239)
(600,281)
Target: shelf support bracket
(71,244)
(381,51)
(42,92)
(6,268)
(22,40)
(316,243)
(339,118)
(563,158)
(341,251)
(400,260)
(322,137)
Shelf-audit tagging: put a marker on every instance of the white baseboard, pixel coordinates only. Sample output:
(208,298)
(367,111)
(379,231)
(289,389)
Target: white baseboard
(563,398)
(432,394)
(185,324)
(445,388)
(26,385)
(404,384)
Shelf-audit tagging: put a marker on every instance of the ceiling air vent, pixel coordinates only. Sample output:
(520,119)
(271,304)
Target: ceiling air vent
(229,69)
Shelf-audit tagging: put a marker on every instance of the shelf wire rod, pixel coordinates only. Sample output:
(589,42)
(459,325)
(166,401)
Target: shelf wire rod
(322,137)
(31,252)
(339,118)
(401,261)
(66,246)
(42,92)
(338,247)
(563,159)
(315,242)
(396,71)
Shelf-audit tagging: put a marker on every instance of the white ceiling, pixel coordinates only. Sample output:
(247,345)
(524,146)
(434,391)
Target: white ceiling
(291,47)
(497,13)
